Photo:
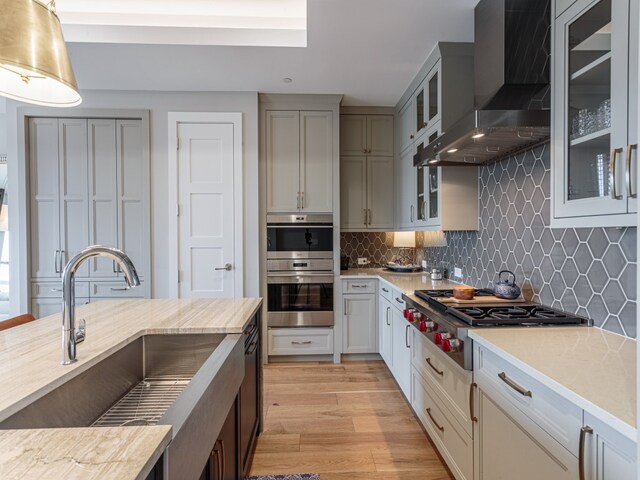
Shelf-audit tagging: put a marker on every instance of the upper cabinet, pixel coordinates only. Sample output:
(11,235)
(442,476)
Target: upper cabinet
(435,198)
(366,172)
(595,87)
(299,152)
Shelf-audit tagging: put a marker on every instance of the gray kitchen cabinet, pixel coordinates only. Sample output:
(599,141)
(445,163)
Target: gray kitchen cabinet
(406,176)
(360,323)
(366,193)
(299,161)
(366,172)
(89,184)
(401,351)
(595,87)
(508,444)
(385,331)
(406,124)
(608,455)
(362,134)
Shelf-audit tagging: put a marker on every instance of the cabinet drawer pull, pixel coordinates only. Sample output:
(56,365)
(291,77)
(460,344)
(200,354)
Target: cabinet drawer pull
(388,312)
(359,286)
(406,336)
(399,300)
(514,385)
(364,211)
(308,342)
(439,372)
(56,289)
(472,392)
(433,420)
(385,290)
(630,191)
(612,174)
(56,261)
(583,433)
(369,218)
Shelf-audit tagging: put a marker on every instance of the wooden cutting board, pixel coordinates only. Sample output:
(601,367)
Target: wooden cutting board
(483,299)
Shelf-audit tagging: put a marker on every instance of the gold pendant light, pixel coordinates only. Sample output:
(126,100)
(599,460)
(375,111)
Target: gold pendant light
(34,63)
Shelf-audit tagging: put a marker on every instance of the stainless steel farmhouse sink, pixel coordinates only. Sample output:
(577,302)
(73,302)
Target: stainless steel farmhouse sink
(188,381)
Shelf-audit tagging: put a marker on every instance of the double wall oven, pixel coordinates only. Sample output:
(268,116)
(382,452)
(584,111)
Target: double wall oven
(300,272)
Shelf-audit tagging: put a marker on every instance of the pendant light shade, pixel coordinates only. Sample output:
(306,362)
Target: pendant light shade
(34,63)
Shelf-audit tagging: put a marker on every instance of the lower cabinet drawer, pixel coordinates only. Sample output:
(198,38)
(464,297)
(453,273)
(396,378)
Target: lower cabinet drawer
(447,380)
(454,444)
(54,289)
(300,341)
(396,299)
(359,286)
(557,416)
(386,290)
(117,289)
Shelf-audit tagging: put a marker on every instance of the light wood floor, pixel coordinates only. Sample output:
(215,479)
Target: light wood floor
(345,422)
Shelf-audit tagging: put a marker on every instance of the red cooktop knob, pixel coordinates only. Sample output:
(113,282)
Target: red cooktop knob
(437,338)
(446,345)
(411,316)
(406,313)
(422,326)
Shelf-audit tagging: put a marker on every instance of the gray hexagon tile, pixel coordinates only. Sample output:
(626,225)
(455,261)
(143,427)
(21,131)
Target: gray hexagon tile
(590,271)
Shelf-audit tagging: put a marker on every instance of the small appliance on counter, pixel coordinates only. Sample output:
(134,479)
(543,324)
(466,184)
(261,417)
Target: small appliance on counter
(436,274)
(344,262)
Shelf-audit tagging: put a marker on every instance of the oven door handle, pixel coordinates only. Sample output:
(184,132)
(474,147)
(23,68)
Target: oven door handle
(275,278)
(300,225)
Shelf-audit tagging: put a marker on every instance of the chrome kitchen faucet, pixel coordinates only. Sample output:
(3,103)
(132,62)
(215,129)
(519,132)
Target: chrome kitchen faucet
(71,337)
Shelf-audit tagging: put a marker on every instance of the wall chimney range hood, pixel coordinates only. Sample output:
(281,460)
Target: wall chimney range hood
(512,91)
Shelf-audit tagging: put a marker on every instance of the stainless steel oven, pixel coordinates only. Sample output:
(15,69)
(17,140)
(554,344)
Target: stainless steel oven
(300,270)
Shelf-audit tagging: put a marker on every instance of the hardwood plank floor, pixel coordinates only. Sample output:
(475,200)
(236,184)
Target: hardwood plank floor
(345,422)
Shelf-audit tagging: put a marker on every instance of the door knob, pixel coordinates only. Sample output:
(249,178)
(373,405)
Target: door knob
(227,267)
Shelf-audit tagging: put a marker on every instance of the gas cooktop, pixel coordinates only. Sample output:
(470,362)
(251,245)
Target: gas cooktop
(520,315)
(444,298)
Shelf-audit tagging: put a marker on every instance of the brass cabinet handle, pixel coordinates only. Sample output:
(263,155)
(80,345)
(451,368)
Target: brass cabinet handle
(301,200)
(612,174)
(364,210)
(388,311)
(369,221)
(439,372)
(630,191)
(583,433)
(298,201)
(406,336)
(433,420)
(522,391)
(472,392)
(308,342)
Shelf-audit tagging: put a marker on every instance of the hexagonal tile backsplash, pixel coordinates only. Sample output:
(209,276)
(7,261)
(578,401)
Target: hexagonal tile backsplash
(589,271)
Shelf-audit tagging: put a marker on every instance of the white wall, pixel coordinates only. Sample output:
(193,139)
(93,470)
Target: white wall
(159,104)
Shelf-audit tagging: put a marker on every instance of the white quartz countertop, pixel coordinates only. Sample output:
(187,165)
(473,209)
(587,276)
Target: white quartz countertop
(30,368)
(590,367)
(407,282)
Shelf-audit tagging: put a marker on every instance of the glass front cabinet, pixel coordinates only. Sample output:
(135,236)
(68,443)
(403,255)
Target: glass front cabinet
(428,187)
(595,155)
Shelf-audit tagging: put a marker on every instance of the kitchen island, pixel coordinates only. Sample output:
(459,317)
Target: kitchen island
(30,369)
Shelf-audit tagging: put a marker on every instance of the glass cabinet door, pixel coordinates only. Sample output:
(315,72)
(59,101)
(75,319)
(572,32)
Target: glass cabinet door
(433,209)
(420,109)
(434,97)
(594,106)
(427,185)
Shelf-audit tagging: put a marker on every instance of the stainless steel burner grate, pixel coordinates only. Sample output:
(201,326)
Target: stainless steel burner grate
(145,403)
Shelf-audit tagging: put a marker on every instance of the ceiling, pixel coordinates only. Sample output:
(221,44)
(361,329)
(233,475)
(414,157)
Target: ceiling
(368,50)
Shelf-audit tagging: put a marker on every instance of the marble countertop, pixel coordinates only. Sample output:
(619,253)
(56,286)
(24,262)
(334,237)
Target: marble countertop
(590,367)
(407,282)
(30,368)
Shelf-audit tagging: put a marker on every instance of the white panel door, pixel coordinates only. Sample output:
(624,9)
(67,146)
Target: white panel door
(103,203)
(74,189)
(353,192)
(380,192)
(316,162)
(132,181)
(206,221)
(385,328)
(45,207)
(282,150)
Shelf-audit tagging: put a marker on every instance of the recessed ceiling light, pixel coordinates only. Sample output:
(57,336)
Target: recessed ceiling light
(287,80)
(478,135)
(453,150)
(433,161)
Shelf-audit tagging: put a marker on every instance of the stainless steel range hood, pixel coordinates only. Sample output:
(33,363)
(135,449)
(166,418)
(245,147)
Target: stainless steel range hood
(512,92)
